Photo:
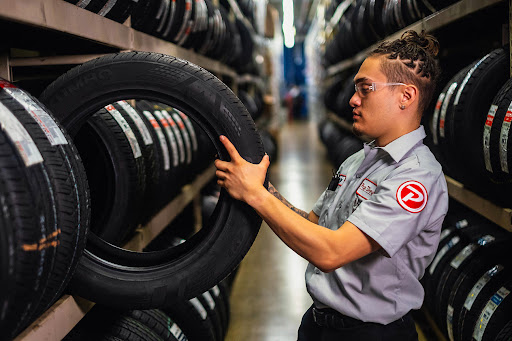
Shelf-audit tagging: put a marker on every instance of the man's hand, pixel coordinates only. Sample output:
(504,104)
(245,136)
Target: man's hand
(243,180)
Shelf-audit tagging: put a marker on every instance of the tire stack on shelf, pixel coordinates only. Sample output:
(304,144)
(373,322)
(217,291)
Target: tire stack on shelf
(468,282)
(365,22)
(200,25)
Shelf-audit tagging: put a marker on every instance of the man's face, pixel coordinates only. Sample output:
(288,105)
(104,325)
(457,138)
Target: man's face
(374,111)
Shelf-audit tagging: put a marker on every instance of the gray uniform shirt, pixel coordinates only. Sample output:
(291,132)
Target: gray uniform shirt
(397,195)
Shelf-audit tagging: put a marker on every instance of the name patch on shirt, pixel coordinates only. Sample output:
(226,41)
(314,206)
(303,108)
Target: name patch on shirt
(366,189)
(412,196)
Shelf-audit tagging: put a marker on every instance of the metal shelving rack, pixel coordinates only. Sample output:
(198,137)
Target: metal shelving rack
(60,16)
(81,25)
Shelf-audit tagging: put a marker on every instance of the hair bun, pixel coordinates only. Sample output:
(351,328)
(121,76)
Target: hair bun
(424,40)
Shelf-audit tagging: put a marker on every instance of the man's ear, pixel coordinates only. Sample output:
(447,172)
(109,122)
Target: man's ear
(409,95)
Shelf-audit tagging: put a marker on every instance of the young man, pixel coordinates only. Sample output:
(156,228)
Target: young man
(373,232)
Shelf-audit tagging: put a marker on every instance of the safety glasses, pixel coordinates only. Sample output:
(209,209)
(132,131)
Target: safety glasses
(364,89)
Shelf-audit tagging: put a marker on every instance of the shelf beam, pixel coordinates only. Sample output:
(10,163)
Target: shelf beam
(57,321)
(144,235)
(64,17)
(437,20)
(498,215)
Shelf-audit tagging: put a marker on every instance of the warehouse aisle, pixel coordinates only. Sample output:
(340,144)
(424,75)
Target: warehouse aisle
(269,295)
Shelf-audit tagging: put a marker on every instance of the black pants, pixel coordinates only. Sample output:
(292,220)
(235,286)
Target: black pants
(354,330)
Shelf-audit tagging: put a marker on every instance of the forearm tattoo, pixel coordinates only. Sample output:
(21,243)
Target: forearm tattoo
(278,195)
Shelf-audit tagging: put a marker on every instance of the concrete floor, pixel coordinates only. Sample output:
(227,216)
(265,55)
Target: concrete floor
(269,296)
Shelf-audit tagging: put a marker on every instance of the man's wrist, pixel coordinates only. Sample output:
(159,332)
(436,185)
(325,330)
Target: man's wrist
(257,198)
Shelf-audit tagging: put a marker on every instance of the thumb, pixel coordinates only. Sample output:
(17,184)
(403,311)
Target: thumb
(265,161)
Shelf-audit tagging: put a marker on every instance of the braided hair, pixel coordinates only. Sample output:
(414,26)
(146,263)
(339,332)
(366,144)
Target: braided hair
(411,59)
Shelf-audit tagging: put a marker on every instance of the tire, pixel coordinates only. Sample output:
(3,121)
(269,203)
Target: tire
(115,168)
(148,280)
(117,10)
(155,181)
(459,263)
(497,140)
(494,314)
(193,318)
(158,322)
(48,239)
(482,270)
(505,333)
(470,107)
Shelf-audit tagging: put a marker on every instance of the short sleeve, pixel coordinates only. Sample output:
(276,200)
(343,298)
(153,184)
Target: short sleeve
(317,208)
(401,207)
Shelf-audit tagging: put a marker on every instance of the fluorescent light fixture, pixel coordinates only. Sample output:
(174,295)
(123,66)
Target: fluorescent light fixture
(288,28)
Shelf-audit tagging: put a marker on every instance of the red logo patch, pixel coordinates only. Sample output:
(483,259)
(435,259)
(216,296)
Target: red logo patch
(412,196)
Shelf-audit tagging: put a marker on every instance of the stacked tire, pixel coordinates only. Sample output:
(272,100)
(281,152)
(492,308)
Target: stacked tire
(45,209)
(468,282)
(365,22)
(339,143)
(470,126)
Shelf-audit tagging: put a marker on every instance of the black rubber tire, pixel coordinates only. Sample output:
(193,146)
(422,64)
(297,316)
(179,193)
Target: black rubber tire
(193,319)
(159,323)
(505,333)
(497,141)
(145,13)
(147,280)
(152,199)
(68,182)
(28,225)
(169,158)
(490,264)
(470,107)
(459,263)
(115,169)
(500,315)
(211,307)
(117,10)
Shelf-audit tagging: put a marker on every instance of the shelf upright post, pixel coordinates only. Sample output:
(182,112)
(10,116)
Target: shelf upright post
(5,66)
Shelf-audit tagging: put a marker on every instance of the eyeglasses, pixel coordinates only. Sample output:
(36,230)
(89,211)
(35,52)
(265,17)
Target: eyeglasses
(364,89)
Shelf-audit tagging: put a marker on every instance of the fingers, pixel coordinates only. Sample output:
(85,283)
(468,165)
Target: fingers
(233,153)
(221,165)
(220,174)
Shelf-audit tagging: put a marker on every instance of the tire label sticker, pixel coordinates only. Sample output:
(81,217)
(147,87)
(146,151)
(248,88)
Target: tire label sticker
(444,108)
(412,196)
(488,311)
(199,308)
(83,3)
(463,255)
(487,136)
(480,284)
(365,190)
(161,138)
(435,118)
(186,136)
(449,321)
(177,332)
(20,137)
(442,252)
(505,132)
(209,300)
(466,79)
(191,130)
(170,136)
(445,233)
(176,132)
(125,127)
(46,122)
(107,7)
(144,131)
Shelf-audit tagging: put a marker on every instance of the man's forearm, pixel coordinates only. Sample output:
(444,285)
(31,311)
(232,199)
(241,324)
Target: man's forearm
(278,195)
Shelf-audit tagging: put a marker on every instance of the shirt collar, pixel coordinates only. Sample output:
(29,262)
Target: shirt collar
(401,146)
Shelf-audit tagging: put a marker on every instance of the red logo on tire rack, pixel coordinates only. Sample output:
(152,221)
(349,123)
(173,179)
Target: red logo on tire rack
(412,196)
